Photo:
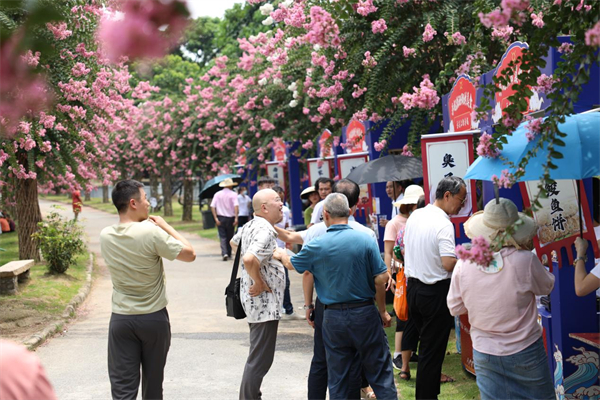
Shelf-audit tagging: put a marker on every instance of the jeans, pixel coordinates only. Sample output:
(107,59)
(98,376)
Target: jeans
(524,375)
(352,334)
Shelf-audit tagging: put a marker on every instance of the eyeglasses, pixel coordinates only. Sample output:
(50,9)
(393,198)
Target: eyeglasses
(463,201)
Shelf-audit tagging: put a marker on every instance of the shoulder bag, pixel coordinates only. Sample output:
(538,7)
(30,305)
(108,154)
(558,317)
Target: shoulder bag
(233,301)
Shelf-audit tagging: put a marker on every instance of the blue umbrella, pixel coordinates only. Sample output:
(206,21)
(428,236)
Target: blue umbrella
(581,153)
(212,186)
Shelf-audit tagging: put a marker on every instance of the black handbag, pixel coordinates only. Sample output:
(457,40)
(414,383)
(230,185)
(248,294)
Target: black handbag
(233,301)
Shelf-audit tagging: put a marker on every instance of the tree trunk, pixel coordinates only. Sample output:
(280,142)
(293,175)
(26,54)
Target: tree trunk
(105,194)
(188,199)
(153,186)
(166,189)
(28,214)
(87,197)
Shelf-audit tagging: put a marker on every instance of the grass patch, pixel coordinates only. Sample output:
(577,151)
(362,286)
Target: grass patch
(9,243)
(194,226)
(465,386)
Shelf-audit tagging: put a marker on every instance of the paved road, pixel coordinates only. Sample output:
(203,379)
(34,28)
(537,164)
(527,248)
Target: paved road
(208,349)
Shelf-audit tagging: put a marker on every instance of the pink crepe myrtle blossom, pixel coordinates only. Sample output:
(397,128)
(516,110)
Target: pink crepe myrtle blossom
(378,146)
(592,36)
(534,127)
(408,52)
(378,26)
(31,59)
(502,33)
(565,48)
(358,91)
(140,33)
(59,30)
(506,180)
(545,84)
(537,19)
(369,61)
(425,96)
(406,151)
(307,145)
(429,33)
(486,148)
(456,38)
(509,10)
(365,7)
(79,69)
(480,252)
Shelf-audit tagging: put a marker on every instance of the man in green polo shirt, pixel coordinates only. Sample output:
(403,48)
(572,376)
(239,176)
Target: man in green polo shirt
(139,332)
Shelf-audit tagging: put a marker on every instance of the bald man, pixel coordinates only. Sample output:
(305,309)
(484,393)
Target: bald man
(261,289)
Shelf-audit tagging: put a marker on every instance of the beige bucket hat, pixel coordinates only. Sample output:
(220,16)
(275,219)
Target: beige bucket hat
(306,192)
(496,218)
(228,183)
(411,195)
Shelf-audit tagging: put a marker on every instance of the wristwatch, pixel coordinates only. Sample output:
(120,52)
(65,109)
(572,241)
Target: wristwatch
(584,259)
(309,307)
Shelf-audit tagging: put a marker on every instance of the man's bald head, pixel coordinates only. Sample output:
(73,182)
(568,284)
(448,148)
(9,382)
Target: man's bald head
(267,204)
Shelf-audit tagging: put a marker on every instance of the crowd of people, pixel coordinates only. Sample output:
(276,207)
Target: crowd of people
(341,261)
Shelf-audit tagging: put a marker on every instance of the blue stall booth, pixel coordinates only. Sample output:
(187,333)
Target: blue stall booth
(571,324)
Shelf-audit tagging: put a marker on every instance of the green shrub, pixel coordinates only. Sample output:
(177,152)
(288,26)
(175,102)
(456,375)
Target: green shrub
(60,241)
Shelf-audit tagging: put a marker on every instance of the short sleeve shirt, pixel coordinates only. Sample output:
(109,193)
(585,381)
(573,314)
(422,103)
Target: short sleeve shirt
(133,253)
(258,237)
(428,236)
(224,202)
(344,263)
(317,215)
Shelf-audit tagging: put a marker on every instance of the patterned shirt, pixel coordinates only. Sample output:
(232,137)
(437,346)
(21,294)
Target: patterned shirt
(258,237)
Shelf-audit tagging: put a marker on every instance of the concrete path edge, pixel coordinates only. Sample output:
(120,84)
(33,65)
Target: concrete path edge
(55,326)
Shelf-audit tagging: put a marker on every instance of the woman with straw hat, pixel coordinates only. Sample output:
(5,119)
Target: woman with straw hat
(499,296)
(310,194)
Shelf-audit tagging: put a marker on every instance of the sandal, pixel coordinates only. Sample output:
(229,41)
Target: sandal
(405,376)
(367,393)
(446,379)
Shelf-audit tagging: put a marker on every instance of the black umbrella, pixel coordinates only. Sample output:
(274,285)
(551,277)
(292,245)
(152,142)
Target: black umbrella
(211,187)
(388,168)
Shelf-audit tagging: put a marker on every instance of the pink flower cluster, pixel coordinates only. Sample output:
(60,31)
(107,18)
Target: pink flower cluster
(358,91)
(566,48)
(308,145)
(456,38)
(429,33)
(378,26)
(592,36)
(378,146)
(545,84)
(502,33)
(506,180)
(406,151)
(369,61)
(425,96)
(534,127)
(59,30)
(365,7)
(509,10)
(486,148)
(537,20)
(480,252)
(322,29)
(140,33)
(408,51)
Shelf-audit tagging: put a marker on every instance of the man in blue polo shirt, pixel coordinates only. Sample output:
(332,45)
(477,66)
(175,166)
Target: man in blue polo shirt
(349,273)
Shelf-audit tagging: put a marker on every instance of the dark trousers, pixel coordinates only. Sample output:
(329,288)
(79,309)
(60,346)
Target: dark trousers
(135,340)
(287,299)
(242,220)
(263,337)
(349,333)
(317,377)
(410,337)
(226,230)
(429,312)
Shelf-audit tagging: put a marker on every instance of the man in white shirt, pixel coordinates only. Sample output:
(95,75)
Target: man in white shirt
(324,186)
(261,288)
(428,263)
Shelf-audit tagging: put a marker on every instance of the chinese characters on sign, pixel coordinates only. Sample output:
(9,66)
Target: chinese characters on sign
(277,172)
(318,168)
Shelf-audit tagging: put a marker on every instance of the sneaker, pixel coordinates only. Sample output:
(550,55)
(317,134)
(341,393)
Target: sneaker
(292,316)
(225,258)
(397,362)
